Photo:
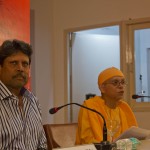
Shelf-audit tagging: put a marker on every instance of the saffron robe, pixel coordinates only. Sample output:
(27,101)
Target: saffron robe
(90,124)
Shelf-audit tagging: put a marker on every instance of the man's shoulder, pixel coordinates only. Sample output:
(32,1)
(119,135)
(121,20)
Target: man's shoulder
(4,91)
(124,104)
(94,101)
(30,95)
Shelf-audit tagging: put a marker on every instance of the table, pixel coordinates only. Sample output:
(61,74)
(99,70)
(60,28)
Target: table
(145,145)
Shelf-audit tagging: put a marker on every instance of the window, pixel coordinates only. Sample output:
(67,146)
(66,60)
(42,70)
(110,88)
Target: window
(136,48)
(127,47)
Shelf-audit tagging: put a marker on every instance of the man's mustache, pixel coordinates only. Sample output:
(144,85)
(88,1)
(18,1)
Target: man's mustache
(20,75)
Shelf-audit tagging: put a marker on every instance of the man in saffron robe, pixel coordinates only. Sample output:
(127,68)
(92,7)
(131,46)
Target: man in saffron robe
(110,104)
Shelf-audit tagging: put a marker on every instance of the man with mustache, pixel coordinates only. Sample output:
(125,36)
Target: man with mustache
(110,104)
(20,115)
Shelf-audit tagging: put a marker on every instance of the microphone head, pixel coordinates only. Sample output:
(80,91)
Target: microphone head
(135,96)
(53,110)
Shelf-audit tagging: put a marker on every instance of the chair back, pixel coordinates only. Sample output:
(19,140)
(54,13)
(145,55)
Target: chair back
(60,135)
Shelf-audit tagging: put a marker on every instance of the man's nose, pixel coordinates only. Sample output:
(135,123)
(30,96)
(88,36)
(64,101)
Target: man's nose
(20,67)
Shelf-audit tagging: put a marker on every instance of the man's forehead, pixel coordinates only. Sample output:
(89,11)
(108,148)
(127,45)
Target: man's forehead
(116,78)
(18,56)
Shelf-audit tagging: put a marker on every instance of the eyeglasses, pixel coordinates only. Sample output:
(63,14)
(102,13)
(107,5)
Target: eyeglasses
(117,83)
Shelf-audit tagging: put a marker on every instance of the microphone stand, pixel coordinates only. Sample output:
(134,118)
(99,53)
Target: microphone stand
(104,145)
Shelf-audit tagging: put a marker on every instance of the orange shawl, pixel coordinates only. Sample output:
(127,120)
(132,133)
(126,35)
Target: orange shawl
(90,124)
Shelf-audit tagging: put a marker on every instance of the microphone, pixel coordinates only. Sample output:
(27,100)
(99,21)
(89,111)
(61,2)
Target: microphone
(138,96)
(55,109)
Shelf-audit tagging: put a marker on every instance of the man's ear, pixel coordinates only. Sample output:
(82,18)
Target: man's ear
(102,88)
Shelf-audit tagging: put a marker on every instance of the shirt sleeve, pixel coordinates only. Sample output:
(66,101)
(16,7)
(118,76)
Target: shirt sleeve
(42,141)
(42,144)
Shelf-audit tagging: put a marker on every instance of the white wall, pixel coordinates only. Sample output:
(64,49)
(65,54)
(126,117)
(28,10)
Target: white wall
(42,62)
(55,16)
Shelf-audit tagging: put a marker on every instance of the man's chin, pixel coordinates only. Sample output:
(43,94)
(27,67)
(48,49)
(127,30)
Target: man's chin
(119,98)
(19,85)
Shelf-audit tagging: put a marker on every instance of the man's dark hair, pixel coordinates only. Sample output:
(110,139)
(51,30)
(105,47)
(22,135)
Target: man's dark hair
(10,47)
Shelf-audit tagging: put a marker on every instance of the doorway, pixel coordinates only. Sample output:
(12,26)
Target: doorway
(91,51)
